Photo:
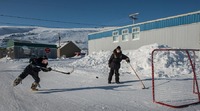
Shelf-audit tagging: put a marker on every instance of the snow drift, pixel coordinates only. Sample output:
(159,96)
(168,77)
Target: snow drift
(165,62)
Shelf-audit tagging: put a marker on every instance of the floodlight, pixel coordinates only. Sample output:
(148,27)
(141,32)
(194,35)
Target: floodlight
(133,16)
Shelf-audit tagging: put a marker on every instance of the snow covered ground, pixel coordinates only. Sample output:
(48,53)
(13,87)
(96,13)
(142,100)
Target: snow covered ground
(82,91)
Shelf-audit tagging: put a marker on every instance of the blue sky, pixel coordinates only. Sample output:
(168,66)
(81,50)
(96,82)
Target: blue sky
(89,13)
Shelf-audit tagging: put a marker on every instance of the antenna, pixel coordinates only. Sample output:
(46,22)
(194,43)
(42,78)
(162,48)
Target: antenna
(133,17)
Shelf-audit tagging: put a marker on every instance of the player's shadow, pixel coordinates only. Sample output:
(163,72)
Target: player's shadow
(132,81)
(10,70)
(109,87)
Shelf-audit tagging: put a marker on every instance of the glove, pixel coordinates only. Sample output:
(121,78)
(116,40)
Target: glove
(128,60)
(49,68)
(109,65)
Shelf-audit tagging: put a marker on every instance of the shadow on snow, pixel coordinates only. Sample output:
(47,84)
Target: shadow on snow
(109,87)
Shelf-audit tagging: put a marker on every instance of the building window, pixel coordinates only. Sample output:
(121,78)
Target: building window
(135,33)
(115,35)
(125,34)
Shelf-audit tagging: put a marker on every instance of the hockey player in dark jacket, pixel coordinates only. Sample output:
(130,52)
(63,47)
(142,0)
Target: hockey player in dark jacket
(33,69)
(114,64)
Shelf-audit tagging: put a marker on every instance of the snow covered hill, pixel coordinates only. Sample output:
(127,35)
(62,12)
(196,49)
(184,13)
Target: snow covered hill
(46,35)
(82,91)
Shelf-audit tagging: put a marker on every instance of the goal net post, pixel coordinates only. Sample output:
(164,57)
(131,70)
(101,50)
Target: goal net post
(175,76)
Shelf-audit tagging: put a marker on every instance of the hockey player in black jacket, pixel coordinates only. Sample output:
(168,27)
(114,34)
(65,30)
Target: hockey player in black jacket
(114,64)
(33,69)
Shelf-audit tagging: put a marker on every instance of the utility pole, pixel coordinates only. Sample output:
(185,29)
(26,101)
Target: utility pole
(59,46)
(59,39)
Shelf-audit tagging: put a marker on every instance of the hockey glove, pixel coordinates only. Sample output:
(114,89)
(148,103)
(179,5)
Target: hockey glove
(46,69)
(49,68)
(128,60)
(109,65)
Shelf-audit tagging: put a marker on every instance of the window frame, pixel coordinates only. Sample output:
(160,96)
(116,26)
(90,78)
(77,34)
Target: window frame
(136,33)
(115,36)
(125,35)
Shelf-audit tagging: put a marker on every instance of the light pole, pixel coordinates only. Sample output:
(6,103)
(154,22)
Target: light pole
(59,39)
(59,46)
(133,17)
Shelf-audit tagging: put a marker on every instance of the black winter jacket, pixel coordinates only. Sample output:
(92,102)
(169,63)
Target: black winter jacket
(36,63)
(115,59)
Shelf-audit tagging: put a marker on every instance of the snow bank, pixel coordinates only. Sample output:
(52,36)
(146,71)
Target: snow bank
(96,61)
(167,65)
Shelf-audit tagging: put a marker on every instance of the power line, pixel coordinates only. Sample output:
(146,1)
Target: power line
(55,21)
(14,23)
(9,23)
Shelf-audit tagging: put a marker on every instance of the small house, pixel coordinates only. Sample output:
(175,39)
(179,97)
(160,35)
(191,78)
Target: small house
(68,49)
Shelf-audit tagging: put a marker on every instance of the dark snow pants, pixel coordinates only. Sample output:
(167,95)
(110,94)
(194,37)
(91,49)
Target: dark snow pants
(112,71)
(29,70)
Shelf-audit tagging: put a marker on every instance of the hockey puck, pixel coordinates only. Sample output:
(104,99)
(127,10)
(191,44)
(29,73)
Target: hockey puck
(97,77)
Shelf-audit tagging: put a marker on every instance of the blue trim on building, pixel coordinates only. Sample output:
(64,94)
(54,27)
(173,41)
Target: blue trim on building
(176,21)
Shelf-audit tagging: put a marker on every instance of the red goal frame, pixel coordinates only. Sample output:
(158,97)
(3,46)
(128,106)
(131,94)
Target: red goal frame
(195,82)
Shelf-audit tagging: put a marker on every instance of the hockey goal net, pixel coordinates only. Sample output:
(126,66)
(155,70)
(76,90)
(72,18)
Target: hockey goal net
(175,76)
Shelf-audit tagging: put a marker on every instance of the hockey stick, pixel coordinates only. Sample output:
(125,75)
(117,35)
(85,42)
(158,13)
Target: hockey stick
(55,70)
(137,76)
(63,71)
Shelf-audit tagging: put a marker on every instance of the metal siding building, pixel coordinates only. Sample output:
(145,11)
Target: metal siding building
(181,31)
(24,49)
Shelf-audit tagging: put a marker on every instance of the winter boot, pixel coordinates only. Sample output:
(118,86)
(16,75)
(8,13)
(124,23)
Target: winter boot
(17,81)
(34,86)
(118,82)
